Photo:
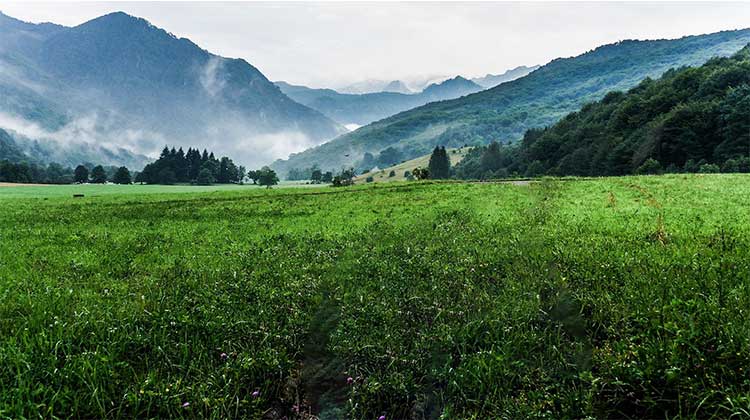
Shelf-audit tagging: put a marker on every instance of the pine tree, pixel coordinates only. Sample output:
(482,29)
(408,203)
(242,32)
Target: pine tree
(440,164)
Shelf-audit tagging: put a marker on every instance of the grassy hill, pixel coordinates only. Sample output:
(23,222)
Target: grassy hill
(381,175)
(607,298)
(539,99)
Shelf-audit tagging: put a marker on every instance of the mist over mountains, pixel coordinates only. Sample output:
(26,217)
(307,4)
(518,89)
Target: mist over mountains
(361,109)
(117,88)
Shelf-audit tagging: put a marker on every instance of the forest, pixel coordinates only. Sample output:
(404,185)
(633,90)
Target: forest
(692,119)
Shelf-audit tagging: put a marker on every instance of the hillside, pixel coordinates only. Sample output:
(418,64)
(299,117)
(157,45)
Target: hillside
(382,175)
(539,99)
(119,81)
(361,109)
(686,118)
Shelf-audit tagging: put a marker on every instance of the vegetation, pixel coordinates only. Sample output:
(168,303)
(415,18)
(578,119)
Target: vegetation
(176,166)
(612,298)
(440,164)
(506,112)
(267,177)
(690,120)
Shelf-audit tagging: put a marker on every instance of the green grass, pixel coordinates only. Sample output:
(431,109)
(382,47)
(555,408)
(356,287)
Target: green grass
(96,190)
(618,297)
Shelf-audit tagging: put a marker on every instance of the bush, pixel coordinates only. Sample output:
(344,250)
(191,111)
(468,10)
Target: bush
(392,174)
(369,179)
(649,167)
(709,168)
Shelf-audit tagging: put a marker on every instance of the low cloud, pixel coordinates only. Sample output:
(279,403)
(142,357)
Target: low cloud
(211,80)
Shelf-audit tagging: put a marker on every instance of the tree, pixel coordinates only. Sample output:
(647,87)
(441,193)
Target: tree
(420,173)
(205,177)
(267,177)
(316,176)
(122,176)
(649,167)
(440,164)
(166,177)
(391,174)
(98,176)
(81,174)
(327,177)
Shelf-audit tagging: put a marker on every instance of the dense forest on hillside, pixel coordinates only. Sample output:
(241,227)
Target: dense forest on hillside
(688,119)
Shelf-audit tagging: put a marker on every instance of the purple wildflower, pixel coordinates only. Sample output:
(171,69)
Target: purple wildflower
(223,356)
(256,394)
(185,405)
(349,380)
(381,418)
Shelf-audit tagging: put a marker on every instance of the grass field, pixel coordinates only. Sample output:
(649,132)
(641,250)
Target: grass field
(381,175)
(96,190)
(607,298)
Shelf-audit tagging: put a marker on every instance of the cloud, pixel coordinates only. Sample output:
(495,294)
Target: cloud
(209,76)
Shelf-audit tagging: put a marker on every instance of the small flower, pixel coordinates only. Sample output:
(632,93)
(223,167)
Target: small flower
(381,418)
(256,394)
(349,380)
(185,405)
(223,356)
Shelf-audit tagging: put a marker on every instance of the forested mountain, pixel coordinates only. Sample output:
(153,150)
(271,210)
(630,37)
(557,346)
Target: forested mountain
(492,80)
(361,109)
(119,83)
(505,112)
(690,119)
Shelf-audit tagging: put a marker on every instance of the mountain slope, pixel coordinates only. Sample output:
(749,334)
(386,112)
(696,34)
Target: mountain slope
(492,80)
(685,117)
(536,100)
(123,81)
(365,108)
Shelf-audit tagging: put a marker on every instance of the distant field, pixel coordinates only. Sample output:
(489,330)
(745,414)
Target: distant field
(47,191)
(456,155)
(607,298)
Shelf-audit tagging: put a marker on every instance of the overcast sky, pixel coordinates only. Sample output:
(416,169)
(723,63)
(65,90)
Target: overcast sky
(332,44)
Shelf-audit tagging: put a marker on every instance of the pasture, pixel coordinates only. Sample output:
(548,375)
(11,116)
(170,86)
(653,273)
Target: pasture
(613,297)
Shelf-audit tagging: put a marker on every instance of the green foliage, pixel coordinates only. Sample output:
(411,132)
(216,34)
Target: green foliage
(176,166)
(267,177)
(650,167)
(609,298)
(98,175)
(420,173)
(369,179)
(122,176)
(440,164)
(205,177)
(687,118)
(81,174)
(392,174)
(345,178)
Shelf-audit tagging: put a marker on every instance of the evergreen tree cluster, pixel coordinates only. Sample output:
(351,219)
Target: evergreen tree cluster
(689,120)
(440,164)
(177,166)
(54,173)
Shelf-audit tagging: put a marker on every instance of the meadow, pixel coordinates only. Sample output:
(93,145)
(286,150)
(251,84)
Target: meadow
(607,298)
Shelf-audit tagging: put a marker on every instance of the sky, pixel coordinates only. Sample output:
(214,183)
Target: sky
(335,44)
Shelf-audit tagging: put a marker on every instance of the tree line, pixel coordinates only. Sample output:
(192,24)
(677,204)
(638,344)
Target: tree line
(177,166)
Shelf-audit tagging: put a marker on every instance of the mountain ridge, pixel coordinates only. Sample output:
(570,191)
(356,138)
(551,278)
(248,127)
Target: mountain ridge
(506,111)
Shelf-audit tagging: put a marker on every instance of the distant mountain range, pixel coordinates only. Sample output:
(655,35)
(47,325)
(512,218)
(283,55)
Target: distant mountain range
(361,109)
(505,112)
(115,88)
(492,80)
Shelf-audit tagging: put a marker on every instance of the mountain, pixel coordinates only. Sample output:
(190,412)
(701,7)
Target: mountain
(119,83)
(687,118)
(361,109)
(505,112)
(396,86)
(492,80)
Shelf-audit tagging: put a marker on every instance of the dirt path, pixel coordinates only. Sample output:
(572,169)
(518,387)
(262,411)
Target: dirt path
(11,184)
